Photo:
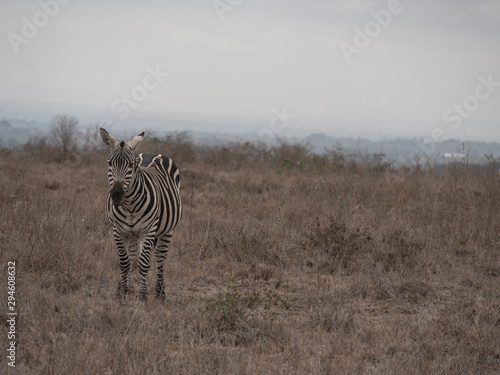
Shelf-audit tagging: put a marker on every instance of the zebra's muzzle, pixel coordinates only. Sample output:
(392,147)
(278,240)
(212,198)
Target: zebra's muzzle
(117,193)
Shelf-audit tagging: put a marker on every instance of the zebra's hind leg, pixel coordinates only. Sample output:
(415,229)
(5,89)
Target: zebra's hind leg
(161,254)
(144,264)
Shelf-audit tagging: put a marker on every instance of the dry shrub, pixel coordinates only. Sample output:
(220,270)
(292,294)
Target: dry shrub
(233,317)
(335,245)
(39,148)
(177,145)
(398,253)
(234,155)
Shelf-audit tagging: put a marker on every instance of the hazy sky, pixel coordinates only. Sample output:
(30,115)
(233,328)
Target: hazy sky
(324,60)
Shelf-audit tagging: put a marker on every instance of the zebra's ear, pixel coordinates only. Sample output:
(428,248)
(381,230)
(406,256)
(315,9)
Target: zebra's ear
(134,143)
(108,139)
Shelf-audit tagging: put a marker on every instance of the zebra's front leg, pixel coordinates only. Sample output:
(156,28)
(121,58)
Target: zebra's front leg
(122,245)
(144,264)
(161,253)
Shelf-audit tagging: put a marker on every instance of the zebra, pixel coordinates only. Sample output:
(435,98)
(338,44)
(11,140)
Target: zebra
(143,207)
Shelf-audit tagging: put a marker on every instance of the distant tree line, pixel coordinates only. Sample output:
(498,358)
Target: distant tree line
(65,143)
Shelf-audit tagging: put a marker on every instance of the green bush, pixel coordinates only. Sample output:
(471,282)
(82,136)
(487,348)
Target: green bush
(232,308)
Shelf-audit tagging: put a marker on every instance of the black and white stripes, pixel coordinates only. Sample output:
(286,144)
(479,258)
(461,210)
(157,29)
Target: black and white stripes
(143,205)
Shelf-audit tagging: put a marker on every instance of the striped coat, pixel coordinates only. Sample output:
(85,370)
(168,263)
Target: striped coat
(143,206)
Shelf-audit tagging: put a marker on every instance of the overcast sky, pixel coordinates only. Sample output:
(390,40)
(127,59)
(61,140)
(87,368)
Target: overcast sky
(414,61)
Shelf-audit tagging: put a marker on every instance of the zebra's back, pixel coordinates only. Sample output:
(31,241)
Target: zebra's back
(162,164)
(164,175)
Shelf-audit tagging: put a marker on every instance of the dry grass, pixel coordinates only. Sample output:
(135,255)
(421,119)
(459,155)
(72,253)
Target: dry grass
(277,268)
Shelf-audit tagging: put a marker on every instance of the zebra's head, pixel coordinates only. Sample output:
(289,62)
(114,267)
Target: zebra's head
(121,164)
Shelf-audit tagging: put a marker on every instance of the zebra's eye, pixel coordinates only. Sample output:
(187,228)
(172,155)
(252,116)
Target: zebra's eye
(130,165)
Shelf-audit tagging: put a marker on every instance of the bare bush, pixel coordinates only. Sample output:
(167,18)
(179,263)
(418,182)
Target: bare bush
(177,145)
(40,148)
(63,134)
(92,141)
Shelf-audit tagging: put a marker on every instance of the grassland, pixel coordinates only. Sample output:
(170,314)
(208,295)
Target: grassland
(284,263)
